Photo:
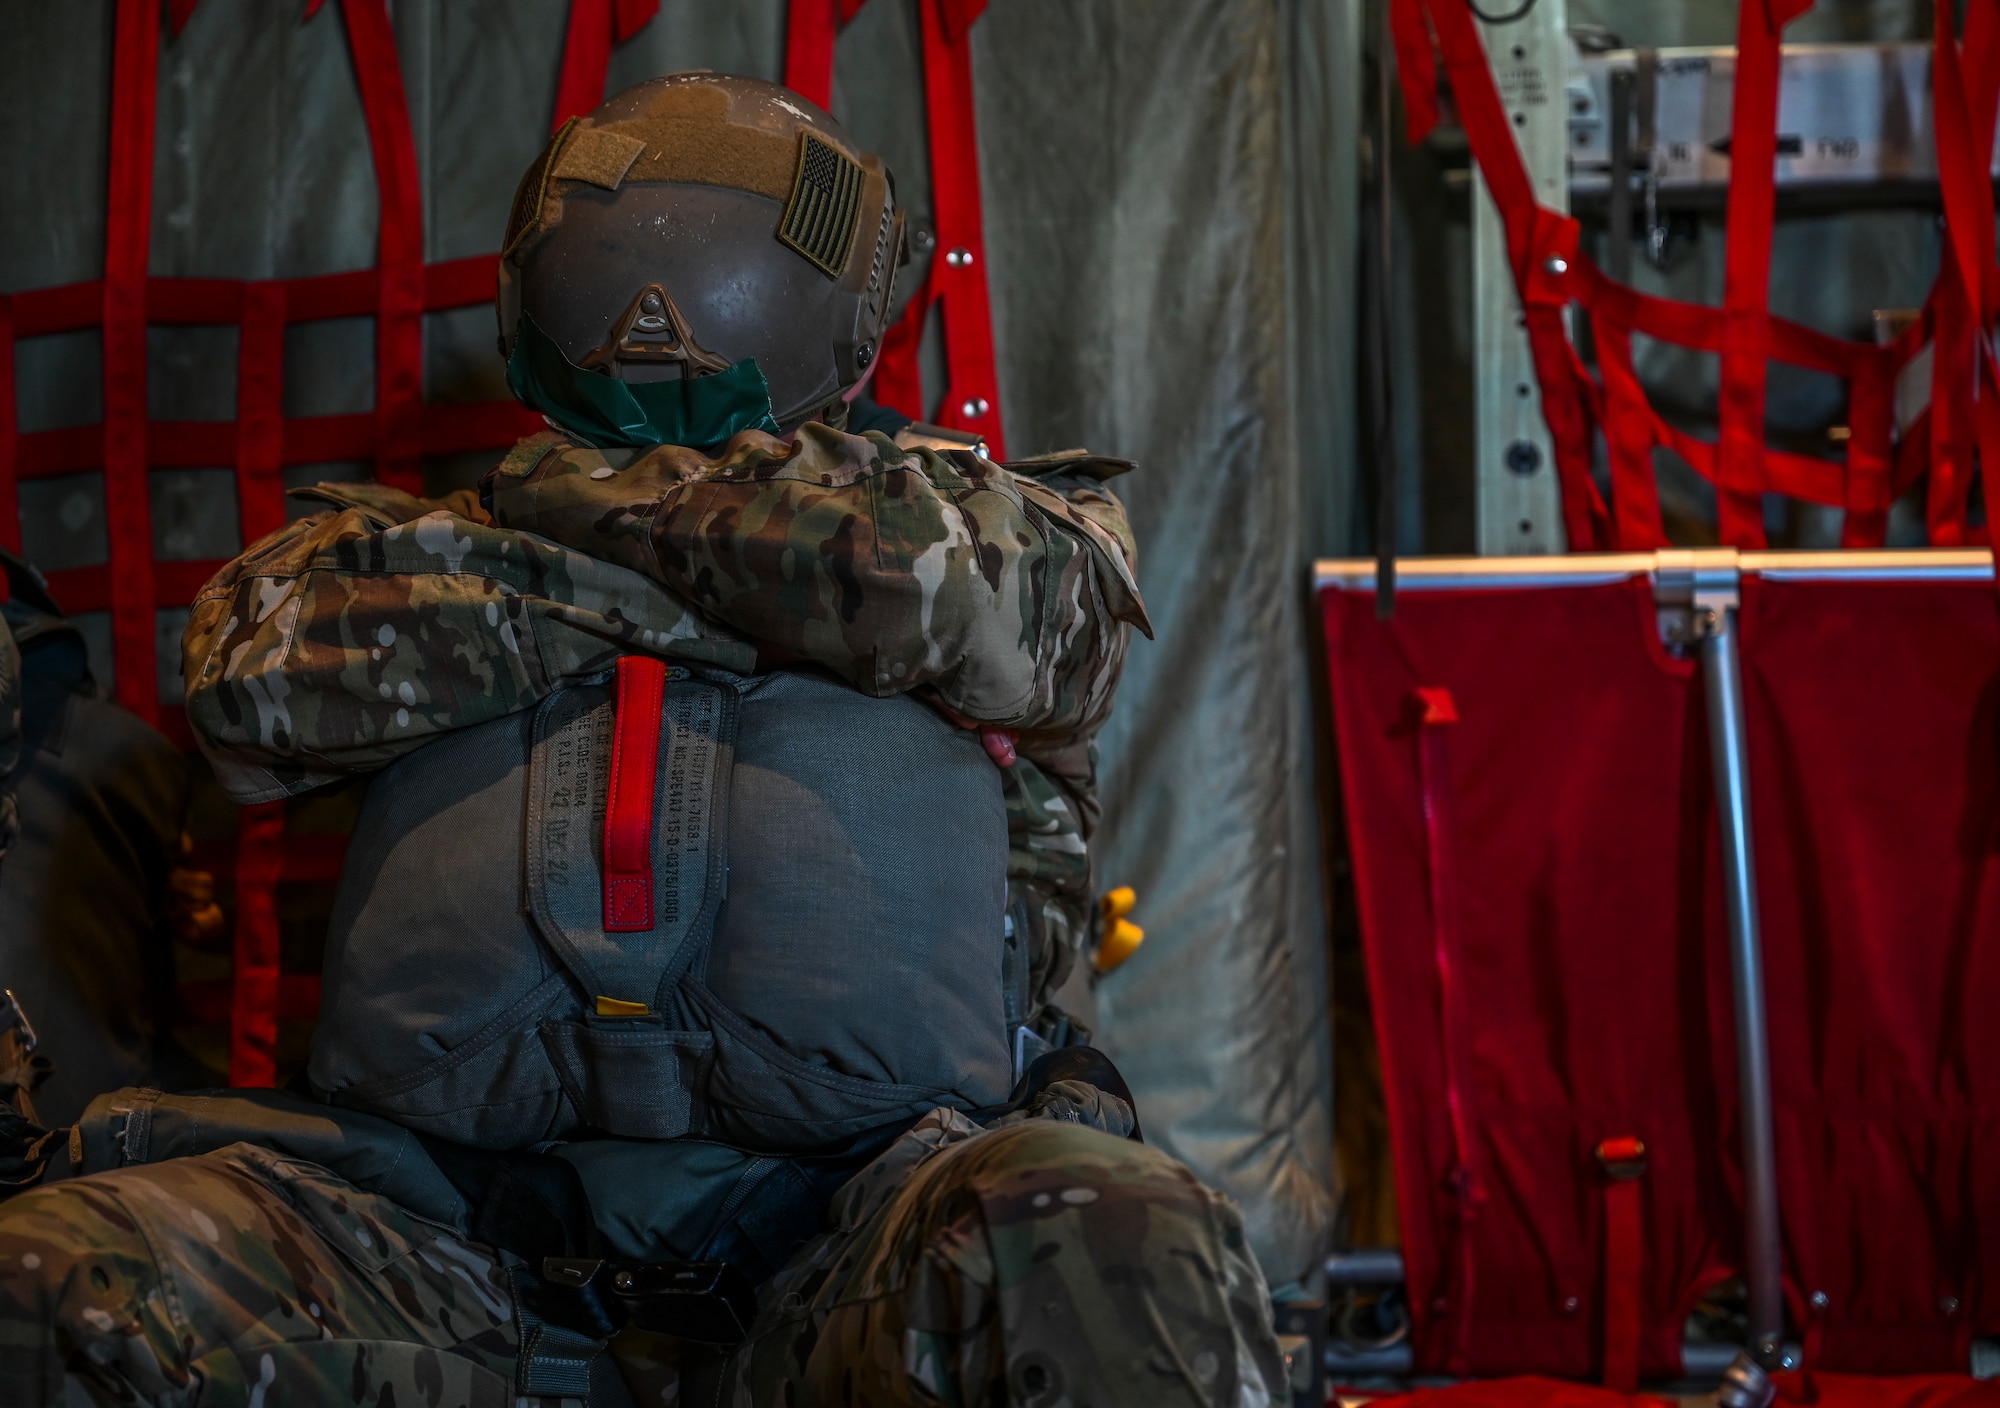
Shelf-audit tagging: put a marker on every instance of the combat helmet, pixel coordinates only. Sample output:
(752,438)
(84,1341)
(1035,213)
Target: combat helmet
(702,254)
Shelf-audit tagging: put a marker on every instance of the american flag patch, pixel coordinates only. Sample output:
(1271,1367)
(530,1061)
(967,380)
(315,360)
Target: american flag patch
(826,199)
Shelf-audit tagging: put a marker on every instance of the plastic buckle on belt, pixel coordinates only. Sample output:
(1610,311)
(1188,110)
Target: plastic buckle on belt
(709,1302)
(1622,1159)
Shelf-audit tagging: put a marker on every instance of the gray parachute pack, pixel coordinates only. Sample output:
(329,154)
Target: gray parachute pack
(828,925)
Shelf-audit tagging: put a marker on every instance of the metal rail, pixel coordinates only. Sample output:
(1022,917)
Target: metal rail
(1577,569)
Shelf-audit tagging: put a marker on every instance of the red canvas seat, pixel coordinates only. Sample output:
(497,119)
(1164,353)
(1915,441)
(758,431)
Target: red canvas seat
(1538,904)
(1526,778)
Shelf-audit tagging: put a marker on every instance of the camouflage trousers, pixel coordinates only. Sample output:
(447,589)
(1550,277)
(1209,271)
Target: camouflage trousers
(243,1277)
(1042,1263)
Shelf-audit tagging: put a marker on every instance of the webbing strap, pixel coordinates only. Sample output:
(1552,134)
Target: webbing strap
(10,436)
(586,58)
(811,26)
(260,411)
(399,332)
(1623,1161)
(1434,712)
(553,1360)
(628,810)
(1966,381)
(595,26)
(1746,285)
(254,990)
(128,225)
(1628,433)
(1871,428)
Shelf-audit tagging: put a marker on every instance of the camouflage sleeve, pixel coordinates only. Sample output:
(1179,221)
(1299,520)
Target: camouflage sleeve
(350,637)
(1006,591)
(1051,795)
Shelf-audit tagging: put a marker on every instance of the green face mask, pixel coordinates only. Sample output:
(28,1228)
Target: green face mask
(704,411)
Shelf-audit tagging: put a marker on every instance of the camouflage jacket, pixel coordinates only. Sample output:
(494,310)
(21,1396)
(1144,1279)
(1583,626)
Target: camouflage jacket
(362,631)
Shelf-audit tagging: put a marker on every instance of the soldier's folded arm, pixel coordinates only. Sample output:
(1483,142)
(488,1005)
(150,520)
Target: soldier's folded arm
(1004,590)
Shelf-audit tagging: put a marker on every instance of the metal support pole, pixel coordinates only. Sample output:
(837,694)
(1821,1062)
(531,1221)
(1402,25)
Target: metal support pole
(1715,631)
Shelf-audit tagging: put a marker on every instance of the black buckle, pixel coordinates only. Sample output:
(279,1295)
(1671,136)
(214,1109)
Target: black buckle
(709,1302)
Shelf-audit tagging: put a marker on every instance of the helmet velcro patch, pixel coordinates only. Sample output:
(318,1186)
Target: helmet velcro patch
(826,200)
(526,214)
(597,155)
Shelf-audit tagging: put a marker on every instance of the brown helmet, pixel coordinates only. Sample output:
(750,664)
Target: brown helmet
(691,225)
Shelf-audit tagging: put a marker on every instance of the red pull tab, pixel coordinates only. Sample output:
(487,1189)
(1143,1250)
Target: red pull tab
(1434,706)
(628,811)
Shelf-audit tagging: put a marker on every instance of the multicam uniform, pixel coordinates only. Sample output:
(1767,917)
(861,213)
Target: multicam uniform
(357,634)
(1046,1253)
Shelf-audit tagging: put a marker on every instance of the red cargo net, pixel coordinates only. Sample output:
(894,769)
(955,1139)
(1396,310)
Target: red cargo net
(401,430)
(1960,429)
(395,436)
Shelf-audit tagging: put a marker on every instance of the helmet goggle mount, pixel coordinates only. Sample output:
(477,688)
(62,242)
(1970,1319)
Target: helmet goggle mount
(651,331)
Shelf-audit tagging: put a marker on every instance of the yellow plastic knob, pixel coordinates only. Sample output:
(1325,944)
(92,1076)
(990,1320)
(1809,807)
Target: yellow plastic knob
(1117,937)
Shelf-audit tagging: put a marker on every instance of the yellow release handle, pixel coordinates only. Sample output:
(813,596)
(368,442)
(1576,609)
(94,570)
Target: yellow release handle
(619,1007)
(1117,937)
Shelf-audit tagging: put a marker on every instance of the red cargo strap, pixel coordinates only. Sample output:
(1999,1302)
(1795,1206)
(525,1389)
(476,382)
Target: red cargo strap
(253,1007)
(260,411)
(595,26)
(1746,287)
(399,326)
(127,237)
(1964,162)
(628,813)
(1624,1163)
(811,26)
(1434,711)
(10,440)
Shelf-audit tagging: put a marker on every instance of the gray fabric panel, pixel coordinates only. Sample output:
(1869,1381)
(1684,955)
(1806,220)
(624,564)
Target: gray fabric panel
(1132,155)
(867,889)
(422,954)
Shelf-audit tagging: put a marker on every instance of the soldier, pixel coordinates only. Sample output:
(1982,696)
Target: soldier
(684,896)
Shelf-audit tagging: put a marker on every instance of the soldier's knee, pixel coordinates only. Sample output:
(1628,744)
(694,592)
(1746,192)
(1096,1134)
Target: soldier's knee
(74,1270)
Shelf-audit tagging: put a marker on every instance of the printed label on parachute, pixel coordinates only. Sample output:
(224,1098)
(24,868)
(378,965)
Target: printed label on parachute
(688,747)
(567,797)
